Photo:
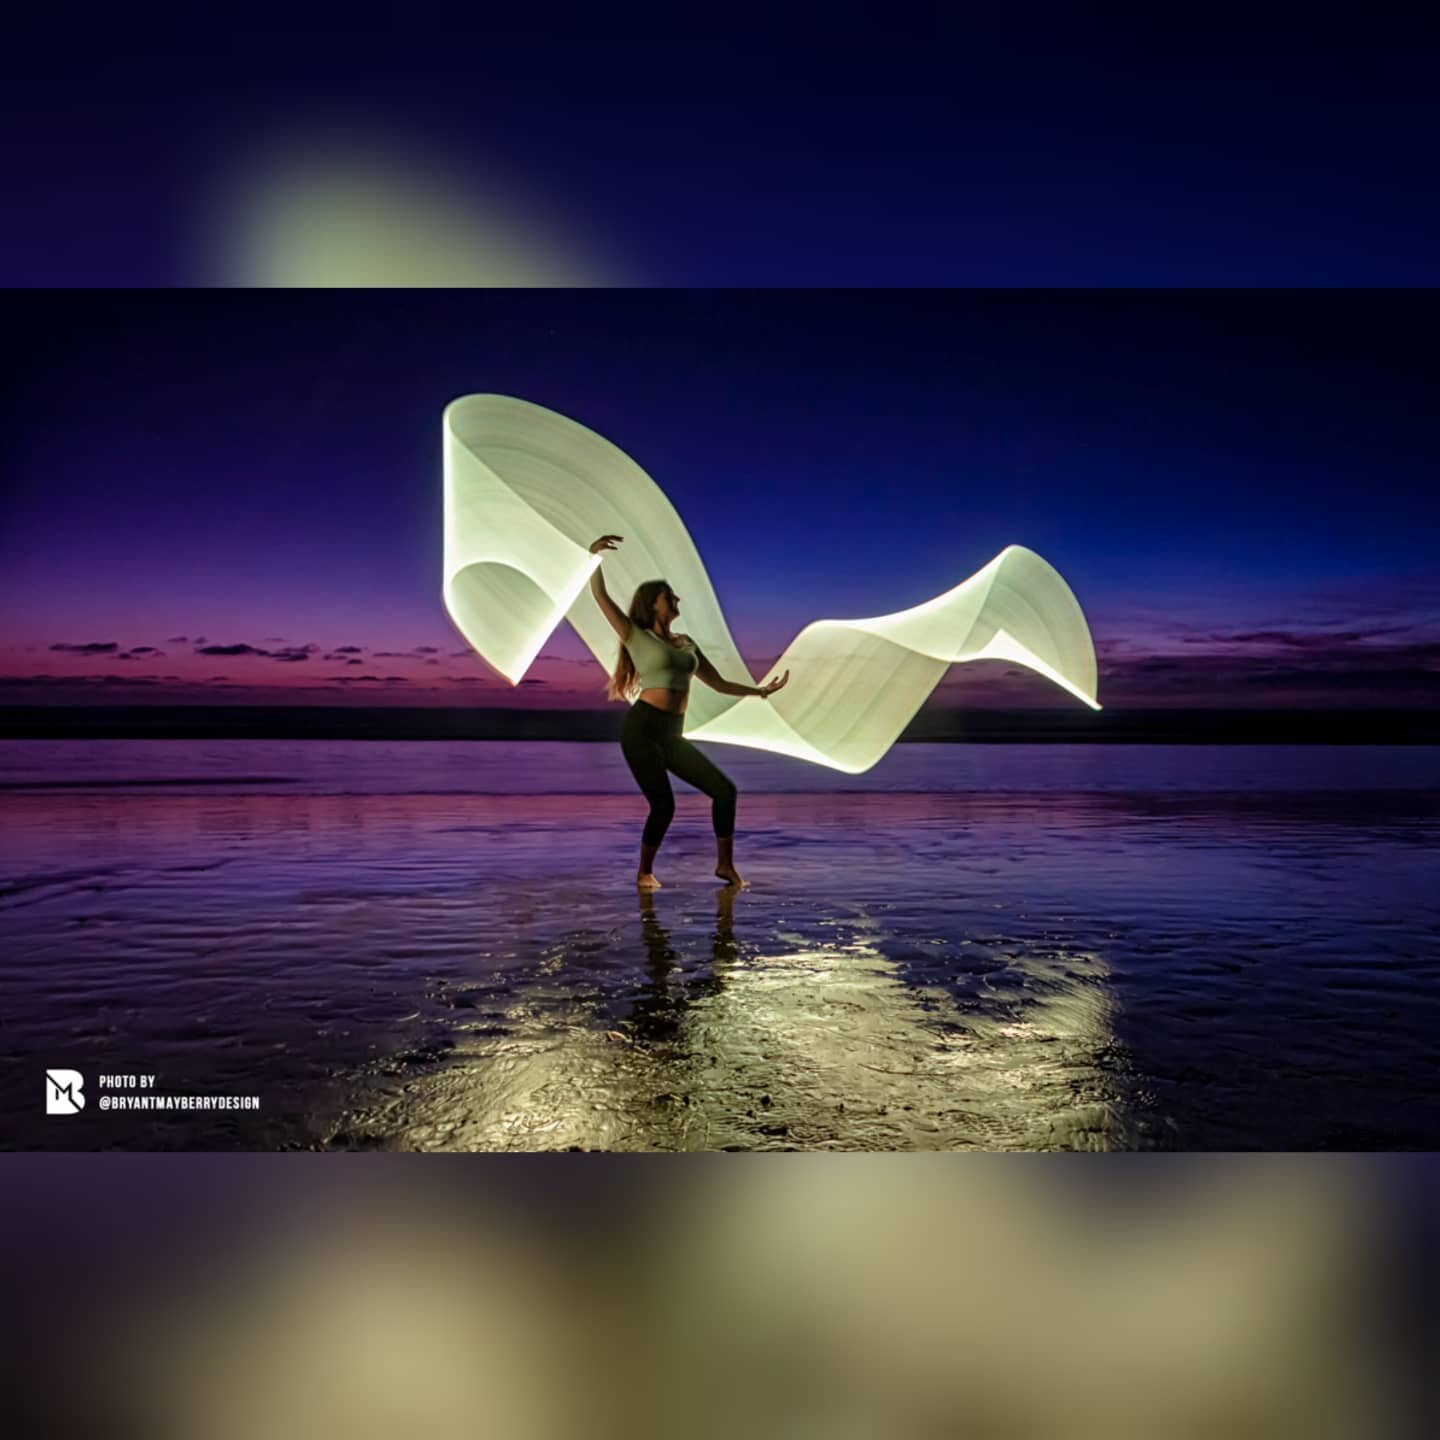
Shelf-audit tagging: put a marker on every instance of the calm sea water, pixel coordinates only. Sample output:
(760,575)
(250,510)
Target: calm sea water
(440,945)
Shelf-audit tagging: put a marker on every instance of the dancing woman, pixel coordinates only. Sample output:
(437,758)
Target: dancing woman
(660,664)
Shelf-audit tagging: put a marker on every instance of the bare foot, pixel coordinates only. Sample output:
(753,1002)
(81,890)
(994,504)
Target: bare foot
(647,882)
(731,876)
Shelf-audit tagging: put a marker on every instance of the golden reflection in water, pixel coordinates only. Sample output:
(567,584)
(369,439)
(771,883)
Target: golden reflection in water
(798,1046)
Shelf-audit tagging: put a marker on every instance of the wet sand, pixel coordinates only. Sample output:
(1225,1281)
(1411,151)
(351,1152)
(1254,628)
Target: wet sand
(1176,967)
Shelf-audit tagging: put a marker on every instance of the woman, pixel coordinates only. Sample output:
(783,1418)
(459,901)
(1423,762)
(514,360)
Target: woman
(660,665)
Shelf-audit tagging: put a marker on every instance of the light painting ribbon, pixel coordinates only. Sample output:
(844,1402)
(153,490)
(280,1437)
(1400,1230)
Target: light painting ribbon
(527,490)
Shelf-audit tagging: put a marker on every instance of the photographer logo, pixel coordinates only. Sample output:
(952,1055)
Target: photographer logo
(64,1092)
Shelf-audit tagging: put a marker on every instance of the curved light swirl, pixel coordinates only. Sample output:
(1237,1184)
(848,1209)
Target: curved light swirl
(527,490)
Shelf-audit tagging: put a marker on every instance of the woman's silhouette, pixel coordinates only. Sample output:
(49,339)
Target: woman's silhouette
(659,665)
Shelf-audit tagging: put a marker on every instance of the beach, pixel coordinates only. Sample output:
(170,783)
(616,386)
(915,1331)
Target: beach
(439,945)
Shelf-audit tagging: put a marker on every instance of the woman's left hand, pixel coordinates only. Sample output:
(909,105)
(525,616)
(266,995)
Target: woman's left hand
(766,691)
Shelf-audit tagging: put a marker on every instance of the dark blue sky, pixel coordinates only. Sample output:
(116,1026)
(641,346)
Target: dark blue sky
(1240,487)
(809,145)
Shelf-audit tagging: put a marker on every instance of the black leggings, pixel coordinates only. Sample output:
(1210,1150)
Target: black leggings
(652,744)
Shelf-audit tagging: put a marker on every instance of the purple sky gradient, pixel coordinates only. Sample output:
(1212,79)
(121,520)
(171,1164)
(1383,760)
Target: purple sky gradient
(231,498)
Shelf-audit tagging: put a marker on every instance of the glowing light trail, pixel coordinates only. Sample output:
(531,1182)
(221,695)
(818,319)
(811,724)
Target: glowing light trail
(526,490)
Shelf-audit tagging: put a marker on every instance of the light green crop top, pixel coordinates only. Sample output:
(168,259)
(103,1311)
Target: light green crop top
(660,665)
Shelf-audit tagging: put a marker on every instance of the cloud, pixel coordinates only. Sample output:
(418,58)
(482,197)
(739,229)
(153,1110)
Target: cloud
(1309,672)
(349,649)
(427,650)
(1327,653)
(177,640)
(1297,639)
(1118,645)
(1368,681)
(290,654)
(61,682)
(1279,666)
(88,681)
(91,647)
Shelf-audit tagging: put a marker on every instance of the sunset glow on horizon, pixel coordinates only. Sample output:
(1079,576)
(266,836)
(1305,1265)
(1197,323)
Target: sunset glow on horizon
(232,497)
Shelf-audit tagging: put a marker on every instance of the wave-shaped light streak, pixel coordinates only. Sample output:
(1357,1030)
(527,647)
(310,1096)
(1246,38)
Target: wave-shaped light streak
(527,490)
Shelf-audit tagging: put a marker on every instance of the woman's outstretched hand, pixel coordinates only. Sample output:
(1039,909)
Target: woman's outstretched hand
(605,542)
(766,691)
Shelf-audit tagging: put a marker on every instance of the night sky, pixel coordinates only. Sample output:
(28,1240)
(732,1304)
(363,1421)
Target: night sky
(798,145)
(228,496)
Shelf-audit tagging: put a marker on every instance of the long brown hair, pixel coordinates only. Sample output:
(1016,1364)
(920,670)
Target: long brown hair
(622,684)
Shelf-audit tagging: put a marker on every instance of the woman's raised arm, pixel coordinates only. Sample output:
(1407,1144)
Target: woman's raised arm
(618,619)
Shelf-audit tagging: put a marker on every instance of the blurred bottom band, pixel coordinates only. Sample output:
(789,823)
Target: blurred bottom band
(587,1295)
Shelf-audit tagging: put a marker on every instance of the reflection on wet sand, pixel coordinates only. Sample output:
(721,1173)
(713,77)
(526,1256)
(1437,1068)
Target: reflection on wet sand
(734,1041)
(1195,970)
